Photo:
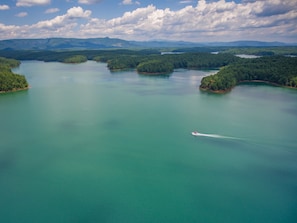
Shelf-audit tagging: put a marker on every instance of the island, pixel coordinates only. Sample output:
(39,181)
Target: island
(10,81)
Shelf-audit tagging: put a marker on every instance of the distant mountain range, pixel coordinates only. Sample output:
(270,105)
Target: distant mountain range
(107,43)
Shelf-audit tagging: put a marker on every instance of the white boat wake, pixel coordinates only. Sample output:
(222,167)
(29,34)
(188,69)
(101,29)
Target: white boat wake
(212,135)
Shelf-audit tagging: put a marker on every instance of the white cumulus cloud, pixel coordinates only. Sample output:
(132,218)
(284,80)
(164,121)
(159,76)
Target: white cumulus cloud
(29,3)
(78,12)
(269,20)
(207,21)
(9,31)
(61,25)
(4,7)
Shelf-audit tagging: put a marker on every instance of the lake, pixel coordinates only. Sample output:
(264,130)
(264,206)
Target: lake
(85,145)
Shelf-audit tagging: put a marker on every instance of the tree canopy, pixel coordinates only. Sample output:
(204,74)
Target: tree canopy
(8,80)
(167,63)
(75,59)
(155,67)
(278,70)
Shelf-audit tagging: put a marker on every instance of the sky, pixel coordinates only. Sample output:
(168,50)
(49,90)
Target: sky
(144,20)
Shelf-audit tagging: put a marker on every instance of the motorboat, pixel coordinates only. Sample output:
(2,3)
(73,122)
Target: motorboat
(195,133)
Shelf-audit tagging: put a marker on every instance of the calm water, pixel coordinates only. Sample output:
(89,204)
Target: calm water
(84,145)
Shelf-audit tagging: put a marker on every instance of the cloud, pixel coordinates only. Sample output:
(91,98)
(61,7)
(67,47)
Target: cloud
(186,2)
(89,2)
(129,2)
(61,26)
(206,21)
(271,8)
(29,3)
(78,12)
(65,21)
(22,14)
(52,10)
(4,7)
(9,31)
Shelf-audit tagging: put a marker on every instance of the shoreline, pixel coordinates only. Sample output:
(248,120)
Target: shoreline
(15,90)
(266,82)
(215,92)
(154,74)
(246,82)
(260,81)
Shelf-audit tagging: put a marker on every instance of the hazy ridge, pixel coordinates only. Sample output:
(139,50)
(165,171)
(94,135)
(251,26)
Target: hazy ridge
(105,43)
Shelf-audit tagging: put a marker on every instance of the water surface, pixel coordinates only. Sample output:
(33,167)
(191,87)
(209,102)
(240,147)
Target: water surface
(87,145)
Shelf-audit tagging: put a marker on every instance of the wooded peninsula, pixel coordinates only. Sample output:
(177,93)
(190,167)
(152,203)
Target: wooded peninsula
(273,66)
(10,81)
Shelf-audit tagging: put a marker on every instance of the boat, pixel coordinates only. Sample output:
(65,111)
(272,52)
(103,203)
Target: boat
(195,133)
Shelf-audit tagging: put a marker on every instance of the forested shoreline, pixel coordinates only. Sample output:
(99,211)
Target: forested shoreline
(10,81)
(165,64)
(277,69)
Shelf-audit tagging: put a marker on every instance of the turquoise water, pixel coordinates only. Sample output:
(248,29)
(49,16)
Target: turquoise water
(84,145)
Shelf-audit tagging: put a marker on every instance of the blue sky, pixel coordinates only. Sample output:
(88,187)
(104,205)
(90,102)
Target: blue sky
(186,20)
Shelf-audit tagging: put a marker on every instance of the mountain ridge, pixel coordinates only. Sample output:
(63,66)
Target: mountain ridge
(109,43)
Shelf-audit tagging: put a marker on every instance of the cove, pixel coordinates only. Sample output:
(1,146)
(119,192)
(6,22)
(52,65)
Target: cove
(87,145)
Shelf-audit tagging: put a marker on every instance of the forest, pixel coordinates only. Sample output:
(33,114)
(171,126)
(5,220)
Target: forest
(278,70)
(277,65)
(149,61)
(164,64)
(10,81)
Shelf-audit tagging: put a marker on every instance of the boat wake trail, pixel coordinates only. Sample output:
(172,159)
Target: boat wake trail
(212,135)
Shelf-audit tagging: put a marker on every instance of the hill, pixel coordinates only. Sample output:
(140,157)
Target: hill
(109,43)
(63,44)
